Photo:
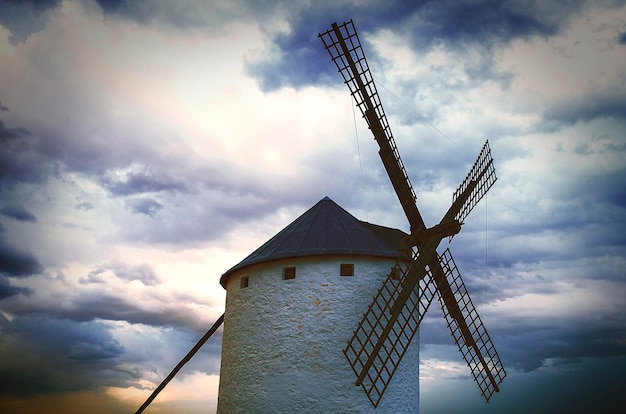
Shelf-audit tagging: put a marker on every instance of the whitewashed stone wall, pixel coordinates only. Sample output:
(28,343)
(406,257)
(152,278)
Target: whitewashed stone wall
(283,340)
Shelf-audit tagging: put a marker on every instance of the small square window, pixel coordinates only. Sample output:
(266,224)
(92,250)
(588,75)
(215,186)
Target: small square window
(245,281)
(346,269)
(289,273)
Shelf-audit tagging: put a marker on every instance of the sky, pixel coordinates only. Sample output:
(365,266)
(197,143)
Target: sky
(148,147)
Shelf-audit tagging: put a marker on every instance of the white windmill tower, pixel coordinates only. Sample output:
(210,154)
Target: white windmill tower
(290,309)
(331,297)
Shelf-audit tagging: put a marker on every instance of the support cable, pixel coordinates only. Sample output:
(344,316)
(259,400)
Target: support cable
(483,291)
(420,116)
(358,149)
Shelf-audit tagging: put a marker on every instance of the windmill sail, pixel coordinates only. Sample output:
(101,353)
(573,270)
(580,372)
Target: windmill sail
(344,47)
(386,330)
(469,333)
(480,179)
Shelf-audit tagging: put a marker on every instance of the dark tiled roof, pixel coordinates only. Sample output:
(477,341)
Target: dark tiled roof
(325,229)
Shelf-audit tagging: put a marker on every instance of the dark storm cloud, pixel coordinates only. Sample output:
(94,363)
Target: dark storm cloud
(146,206)
(527,347)
(299,60)
(100,305)
(58,355)
(142,181)
(97,303)
(113,6)
(20,159)
(142,272)
(525,344)
(187,16)
(121,165)
(25,17)
(29,158)
(17,263)
(123,271)
(589,107)
(7,290)
(18,213)
(484,22)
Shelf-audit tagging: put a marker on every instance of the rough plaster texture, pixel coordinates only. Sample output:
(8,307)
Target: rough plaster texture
(283,340)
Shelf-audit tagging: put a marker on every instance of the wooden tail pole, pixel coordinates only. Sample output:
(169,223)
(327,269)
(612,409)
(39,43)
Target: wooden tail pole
(182,362)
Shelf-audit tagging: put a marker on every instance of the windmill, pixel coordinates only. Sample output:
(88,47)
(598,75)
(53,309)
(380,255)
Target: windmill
(288,301)
(420,273)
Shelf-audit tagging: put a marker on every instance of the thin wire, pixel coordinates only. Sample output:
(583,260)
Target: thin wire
(486,238)
(358,149)
(420,116)
(484,290)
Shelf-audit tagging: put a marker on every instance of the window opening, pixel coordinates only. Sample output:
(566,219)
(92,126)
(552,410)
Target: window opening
(289,273)
(245,281)
(346,269)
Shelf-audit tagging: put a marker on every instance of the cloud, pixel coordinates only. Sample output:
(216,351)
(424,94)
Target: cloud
(24,18)
(138,179)
(17,263)
(85,205)
(297,60)
(590,106)
(526,338)
(20,161)
(90,351)
(97,297)
(146,206)
(185,16)
(18,212)
(7,290)
(143,273)
(49,346)
(62,355)
(484,22)
(528,349)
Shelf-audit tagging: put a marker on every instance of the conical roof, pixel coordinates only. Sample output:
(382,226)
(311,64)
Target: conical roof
(325,229)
